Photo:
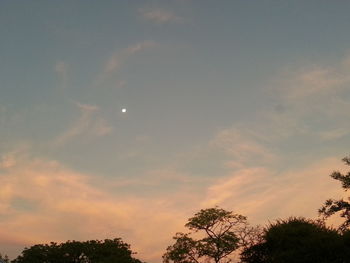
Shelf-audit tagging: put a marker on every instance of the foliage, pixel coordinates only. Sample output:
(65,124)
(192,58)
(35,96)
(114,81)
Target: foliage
(4,259)
(332,206)
(298,240)
(95,251)
(220,233)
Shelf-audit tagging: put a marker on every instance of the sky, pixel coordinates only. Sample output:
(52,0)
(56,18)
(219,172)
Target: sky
(239,104)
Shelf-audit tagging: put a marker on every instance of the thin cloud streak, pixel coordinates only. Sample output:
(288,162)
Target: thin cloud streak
(118,58)
(160,16)
(87,124)
(61,68)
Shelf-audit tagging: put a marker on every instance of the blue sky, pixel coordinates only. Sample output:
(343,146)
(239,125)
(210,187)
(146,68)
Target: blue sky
(241,104)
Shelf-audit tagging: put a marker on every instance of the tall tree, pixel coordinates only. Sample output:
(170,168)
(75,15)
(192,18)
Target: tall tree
(340,206)
(219,233)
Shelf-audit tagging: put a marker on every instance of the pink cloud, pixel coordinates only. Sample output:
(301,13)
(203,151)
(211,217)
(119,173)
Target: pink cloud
(264,194)
(68,205)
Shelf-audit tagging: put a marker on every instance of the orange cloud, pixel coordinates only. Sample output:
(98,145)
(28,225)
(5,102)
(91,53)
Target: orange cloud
(264,194)
(67,205)
(42,200)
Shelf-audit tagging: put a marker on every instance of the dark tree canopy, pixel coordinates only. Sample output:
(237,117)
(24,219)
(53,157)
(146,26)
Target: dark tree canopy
(92,251)
(298,240)
(4,259)
(219,233)
(341,206)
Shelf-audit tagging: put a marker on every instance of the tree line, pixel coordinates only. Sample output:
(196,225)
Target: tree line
(216,235)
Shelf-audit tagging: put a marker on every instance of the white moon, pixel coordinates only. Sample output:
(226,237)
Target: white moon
(123,110)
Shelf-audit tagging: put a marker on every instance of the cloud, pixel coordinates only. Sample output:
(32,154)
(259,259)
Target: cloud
(242,146)
(7,161)
(61,68)
(305,102)
(118,58)
(316,80)
(131,50)
(42,201)
(263,193)
(160,16)
(86,108)
(333,134)
(87,124)
(101,128)
(273,170)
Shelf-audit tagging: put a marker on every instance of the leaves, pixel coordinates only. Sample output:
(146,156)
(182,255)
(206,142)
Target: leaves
(298,240)
(96,251)
(4,259)
(341,206)
(222,233)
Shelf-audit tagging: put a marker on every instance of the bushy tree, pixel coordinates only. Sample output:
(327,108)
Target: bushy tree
(219,233)
(341,206)
(92,251)
(298,240)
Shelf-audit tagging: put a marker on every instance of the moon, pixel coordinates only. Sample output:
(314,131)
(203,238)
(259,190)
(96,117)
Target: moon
(123,110)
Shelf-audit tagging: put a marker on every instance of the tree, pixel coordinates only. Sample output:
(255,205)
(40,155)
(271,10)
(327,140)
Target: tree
(332,206)
(219,233)
(96,251)
(298,240)
(4,259)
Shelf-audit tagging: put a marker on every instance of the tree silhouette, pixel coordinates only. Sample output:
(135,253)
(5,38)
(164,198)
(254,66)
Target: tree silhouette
(92,251)
(219,233)
(298,240)
(332,206)
(4,259)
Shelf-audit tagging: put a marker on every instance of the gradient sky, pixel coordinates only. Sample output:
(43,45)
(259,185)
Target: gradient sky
(241,104)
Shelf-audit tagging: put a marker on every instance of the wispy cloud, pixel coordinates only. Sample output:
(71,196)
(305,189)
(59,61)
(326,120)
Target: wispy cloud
(261,182)
(118,58)
(333,134)
(312,101)
(7,161)
(243,147)
(87,124)
(305,82)
(263,193)
(160,16)
(255,179)
(61,68)
(319,81)
(61,197)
